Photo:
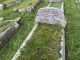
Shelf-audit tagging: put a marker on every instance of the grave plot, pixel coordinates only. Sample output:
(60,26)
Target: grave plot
(49,19)
(44,44)
(27,22)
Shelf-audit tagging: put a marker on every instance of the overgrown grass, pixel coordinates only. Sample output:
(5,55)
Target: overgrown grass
(44,44)
(56,5)
(5,1)
(4,24)
(27,22)
(72,30)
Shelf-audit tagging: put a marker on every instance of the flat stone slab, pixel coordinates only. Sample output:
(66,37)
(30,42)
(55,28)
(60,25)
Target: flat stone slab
(51,15)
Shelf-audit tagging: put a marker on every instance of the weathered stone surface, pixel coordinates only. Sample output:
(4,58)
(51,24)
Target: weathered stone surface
(51,15)
(77,1)
(7,34)
(1,6)
(55,0)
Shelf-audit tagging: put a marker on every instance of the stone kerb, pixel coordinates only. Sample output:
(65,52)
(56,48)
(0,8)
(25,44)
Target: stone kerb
(7,34)
(51,15)
(55,0)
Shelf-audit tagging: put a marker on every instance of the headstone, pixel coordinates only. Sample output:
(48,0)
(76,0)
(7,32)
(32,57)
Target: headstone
(51,15)
(55,0)
(1,6)
(77,1)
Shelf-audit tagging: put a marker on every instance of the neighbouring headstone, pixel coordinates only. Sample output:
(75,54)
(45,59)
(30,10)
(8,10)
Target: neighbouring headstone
(51,15)
(55,0)
(77,1)
(1,6)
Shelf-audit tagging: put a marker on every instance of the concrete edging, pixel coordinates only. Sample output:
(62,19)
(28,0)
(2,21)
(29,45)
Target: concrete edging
(24,43)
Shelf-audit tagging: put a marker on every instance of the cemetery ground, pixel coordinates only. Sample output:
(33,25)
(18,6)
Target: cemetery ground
(72,14)
(44,44)
(27,22)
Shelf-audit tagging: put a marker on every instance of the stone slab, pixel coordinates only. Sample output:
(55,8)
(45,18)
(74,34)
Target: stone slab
(51,15)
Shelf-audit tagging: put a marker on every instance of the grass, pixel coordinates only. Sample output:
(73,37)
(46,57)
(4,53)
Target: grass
(27,22)
(57,5)
(44,44)
(5,1)
(72,14)
(3,25)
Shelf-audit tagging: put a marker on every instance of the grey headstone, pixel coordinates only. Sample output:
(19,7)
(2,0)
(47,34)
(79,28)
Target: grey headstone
(51,15)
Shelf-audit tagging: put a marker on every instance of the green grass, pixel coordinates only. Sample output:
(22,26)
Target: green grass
(57,5)
(44,44)
(72,30)
(5,1)
(3,25)
(78,5)
(27,22)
